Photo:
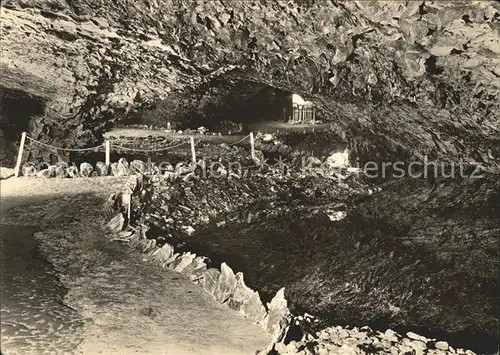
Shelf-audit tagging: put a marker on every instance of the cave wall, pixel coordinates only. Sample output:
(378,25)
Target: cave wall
(421,77)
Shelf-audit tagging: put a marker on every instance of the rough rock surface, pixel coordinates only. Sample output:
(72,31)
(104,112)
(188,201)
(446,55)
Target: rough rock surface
(116,223)
(86,169)
(279,313)
(101,169)
(29,170)
(278,320)
(61,172)
(417,77)
(354,341)
(6,173)
(226,284)
(210,280)
(120,168)
(138,167)
(276,229)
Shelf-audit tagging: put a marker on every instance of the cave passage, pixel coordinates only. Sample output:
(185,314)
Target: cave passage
(17,110)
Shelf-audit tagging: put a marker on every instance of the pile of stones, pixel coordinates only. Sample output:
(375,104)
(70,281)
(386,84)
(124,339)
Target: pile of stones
(64,170)
(353,341)
(187,198)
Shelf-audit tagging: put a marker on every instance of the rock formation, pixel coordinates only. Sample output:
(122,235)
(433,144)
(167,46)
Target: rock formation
(417,77)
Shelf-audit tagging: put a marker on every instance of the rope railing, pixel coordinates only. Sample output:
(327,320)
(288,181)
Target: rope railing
(65,149)
(107,146)
(241,140)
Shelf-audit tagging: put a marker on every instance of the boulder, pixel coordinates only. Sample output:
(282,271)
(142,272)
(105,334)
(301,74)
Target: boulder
(171,260)
(241,294)
(86,169)
(181,263)
(313,161)
(182,168)
(6,173)
(279,315)
(62,164)
(29,171)
(389,335)
(46,173)
(338,160)
(61,172)
(116,224)
(246,301)
(138,167)
(121,168)
(73,172)
(441,345)
(254,309)
(210,280)
(162,254)
(166,167)
(415,346)
(196,269)
(414,336)
(226,284)
(101,169)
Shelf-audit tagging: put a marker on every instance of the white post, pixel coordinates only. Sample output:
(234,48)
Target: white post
(129,207)
(252,146)
(193,152)
(20,155)
(108,152)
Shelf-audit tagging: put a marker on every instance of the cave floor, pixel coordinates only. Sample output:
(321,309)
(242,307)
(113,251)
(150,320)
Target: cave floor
(123,305)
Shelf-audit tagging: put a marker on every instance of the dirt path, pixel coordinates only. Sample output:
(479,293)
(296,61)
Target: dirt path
(128,306)
(143,132)
(264,127)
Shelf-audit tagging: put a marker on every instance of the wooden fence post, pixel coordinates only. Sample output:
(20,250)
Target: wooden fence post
(20,155)
(193,152)
(252,146)
(108,153)
(129,207)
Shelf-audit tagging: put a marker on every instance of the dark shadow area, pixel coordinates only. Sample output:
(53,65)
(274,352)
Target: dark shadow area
(220,105)
(17,108)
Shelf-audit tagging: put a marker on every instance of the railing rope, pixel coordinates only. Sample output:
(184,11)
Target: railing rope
(65,149)
(241,140)
(108,145)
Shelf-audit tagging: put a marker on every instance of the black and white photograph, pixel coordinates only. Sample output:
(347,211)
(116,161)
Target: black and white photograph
(249,177)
